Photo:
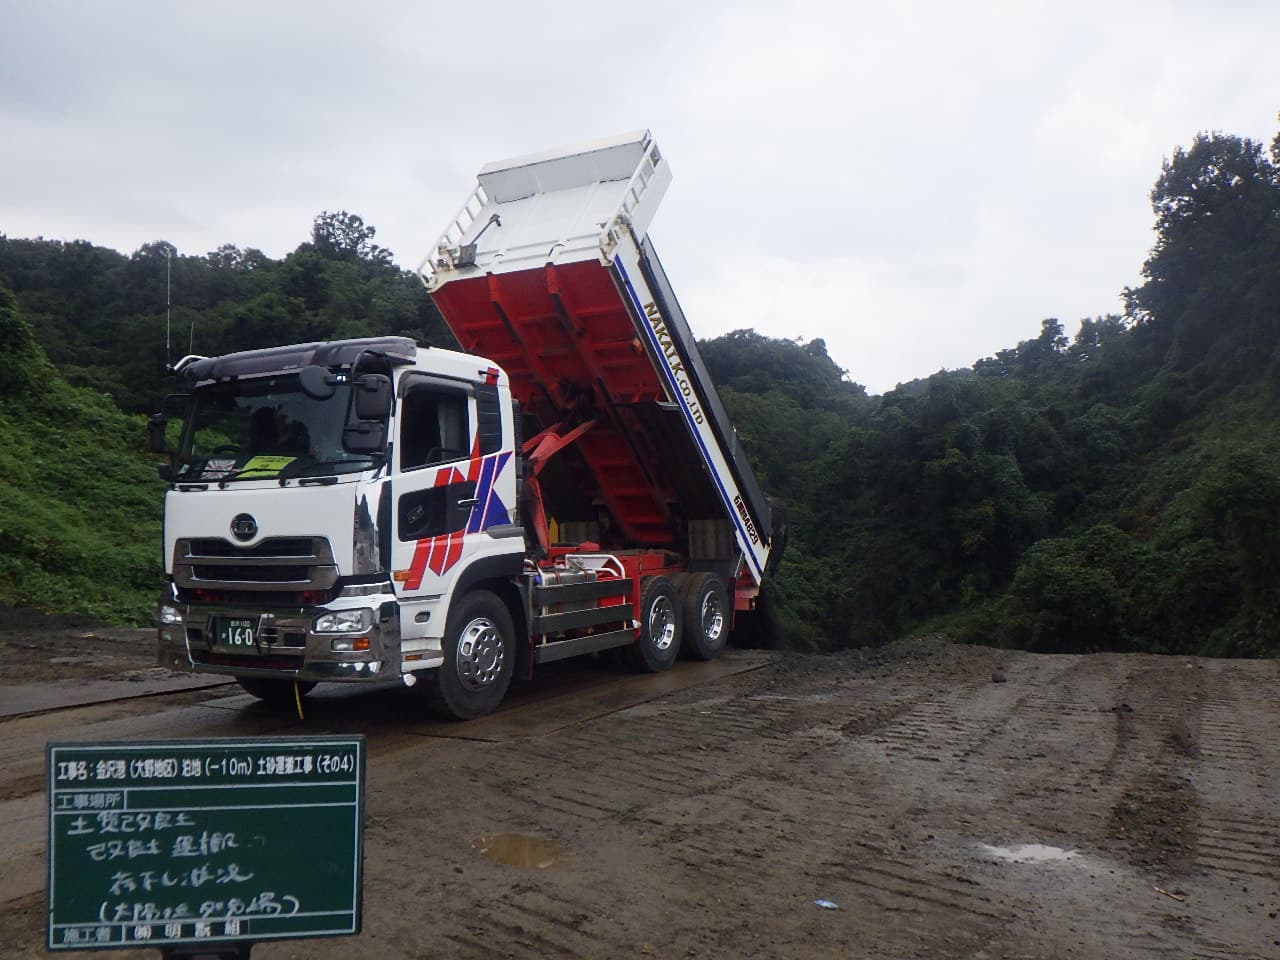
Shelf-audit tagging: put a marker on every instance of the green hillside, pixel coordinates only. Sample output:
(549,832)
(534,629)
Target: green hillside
(1115,489)
(80,525)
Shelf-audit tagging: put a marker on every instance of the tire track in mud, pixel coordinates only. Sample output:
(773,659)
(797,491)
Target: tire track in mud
(950,900)
(1240,849)
(654,749)
(1135,747)
(1020,738)
(1237,775)
(631,771)
(1177,748)
(1148,809)
(925,749)
(711,823)
(516,927)
(977,723)
(707,823)
(876,870)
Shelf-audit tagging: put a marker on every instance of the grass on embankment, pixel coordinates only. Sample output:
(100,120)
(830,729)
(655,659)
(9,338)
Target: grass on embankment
(80,502)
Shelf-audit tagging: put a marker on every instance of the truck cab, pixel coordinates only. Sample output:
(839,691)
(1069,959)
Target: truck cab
(325,499)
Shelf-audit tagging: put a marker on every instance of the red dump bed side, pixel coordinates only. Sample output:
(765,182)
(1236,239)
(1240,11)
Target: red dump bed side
(568,344)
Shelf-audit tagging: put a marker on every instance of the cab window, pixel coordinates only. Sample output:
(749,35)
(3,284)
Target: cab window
(434,427)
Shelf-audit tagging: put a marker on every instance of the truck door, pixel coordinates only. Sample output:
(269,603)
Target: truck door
(446,494)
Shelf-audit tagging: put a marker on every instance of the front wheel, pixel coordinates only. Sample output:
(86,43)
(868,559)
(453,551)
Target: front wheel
(278,693)
(658,645)
(479,659)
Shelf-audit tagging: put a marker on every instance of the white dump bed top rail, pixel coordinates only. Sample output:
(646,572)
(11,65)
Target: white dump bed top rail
(557,207)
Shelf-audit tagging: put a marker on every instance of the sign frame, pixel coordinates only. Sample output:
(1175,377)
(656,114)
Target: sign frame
(227,810)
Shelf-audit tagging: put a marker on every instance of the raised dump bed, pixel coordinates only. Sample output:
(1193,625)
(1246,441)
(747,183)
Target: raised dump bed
(548,271)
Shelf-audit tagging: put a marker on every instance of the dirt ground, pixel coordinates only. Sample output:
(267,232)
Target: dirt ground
(36,646)
(926,800)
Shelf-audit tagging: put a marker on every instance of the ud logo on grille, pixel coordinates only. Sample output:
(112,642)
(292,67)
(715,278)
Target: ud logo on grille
(244,527)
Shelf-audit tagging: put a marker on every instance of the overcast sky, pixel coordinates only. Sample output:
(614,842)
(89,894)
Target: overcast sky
(919,184)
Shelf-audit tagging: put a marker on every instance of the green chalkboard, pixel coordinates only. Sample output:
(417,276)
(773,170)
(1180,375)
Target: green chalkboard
(174,842)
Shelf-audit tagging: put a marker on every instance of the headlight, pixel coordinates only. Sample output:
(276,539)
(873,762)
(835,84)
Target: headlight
(344,621)
(168,615)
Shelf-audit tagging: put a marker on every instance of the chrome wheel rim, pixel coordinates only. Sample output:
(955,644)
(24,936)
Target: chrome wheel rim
(662,623)
(712,617)
(480,654)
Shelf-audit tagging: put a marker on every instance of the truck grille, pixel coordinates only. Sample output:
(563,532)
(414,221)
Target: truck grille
(242,573)
(280,563)
(275,547)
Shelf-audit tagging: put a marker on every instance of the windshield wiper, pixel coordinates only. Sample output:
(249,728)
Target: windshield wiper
(314,471)
(234,475)
(325,468)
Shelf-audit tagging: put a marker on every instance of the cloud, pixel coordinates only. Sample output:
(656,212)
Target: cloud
(918,184)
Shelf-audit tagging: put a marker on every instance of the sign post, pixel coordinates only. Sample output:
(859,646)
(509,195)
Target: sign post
(203,847)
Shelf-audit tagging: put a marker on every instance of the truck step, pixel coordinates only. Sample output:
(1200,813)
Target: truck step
(560,649)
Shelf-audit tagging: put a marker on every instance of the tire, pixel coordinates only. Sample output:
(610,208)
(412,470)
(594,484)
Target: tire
(479,659)
(658,645)
(278,693)
(706,617)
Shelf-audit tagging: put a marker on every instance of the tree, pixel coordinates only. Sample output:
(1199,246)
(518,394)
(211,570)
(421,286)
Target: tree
(1242,500)
(1096,337)
(230,257)
(1069,595)
(1213,202)
(753,363)
(23,361)
(345,236)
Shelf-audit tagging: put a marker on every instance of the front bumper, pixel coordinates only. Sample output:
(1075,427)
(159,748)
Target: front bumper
(286,645)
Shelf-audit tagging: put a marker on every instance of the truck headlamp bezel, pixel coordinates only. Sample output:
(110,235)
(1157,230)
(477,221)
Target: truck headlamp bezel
(352,620)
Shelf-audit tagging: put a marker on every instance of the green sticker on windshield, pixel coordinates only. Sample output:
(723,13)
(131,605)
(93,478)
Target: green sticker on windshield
(263,466)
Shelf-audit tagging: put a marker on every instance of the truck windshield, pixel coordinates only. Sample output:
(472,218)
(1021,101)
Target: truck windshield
(266,428)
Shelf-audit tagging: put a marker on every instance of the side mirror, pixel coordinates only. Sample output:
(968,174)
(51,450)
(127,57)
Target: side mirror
(316,382)
(373,397)
(157,423)
(364,438)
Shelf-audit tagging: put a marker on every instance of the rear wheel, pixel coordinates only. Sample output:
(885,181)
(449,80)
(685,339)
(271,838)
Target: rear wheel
(658,645)
(278,693)
(479,659)
(706,617)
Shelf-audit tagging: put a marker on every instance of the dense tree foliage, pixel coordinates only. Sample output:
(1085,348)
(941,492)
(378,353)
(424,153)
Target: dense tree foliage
(1119,489)
(1114,489)
(101,316)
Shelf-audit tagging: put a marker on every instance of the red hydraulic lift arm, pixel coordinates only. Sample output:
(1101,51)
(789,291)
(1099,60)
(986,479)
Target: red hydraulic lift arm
(537,450)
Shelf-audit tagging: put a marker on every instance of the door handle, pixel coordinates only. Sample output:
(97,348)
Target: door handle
(469,502)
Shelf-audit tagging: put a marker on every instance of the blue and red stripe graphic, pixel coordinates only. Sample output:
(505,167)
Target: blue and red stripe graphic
(439,554)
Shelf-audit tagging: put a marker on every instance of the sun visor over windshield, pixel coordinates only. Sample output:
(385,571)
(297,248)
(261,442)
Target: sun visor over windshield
(336,353)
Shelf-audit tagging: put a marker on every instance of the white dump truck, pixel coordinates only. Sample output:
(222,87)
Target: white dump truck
(366,510)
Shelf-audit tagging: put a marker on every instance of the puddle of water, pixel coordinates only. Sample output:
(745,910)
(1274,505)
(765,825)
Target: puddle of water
(1027,853)
(520,850)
